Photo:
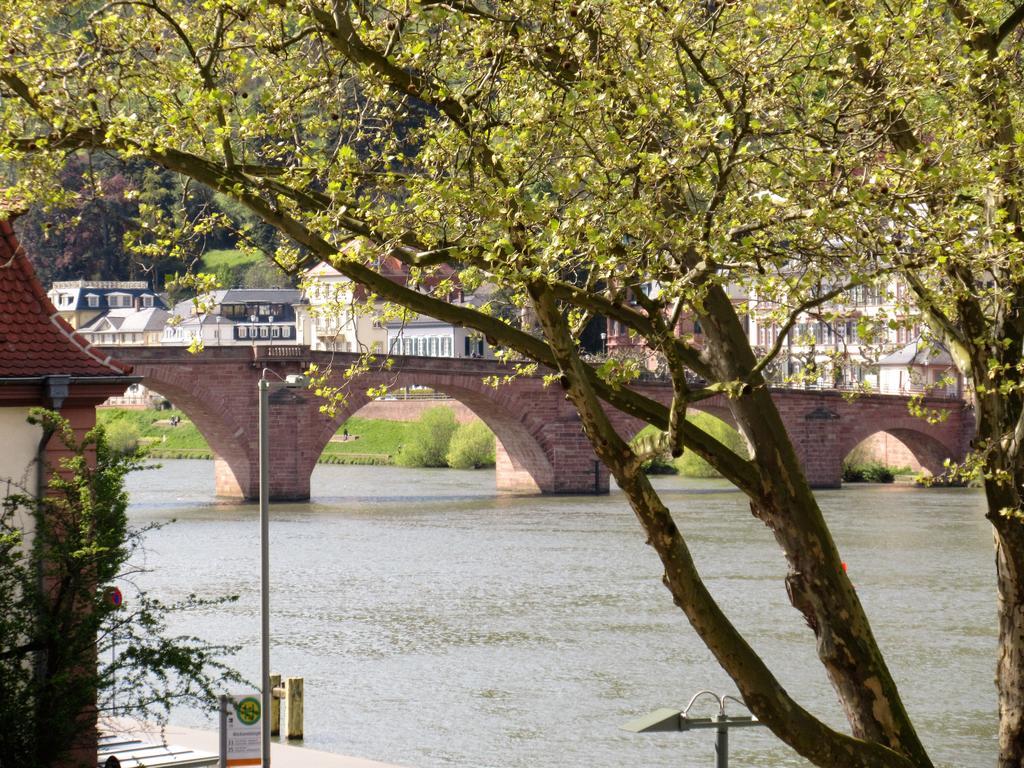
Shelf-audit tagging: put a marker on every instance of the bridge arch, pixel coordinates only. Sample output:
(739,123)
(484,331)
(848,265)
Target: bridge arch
(540,444)
(204,403)
(522,460)
(914,446)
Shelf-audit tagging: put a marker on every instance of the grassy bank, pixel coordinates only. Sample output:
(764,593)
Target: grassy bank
(155,431)
(368,441)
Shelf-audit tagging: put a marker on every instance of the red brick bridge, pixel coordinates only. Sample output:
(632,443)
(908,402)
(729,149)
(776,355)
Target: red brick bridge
(540,446)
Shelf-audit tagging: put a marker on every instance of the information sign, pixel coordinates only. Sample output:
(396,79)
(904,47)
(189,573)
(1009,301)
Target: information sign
(240,740)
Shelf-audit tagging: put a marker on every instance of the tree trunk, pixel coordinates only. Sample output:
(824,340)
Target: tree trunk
(844,638)
(996,417)
(1009,536)
(817,584)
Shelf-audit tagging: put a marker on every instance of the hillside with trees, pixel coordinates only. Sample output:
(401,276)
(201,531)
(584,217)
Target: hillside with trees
(130,219)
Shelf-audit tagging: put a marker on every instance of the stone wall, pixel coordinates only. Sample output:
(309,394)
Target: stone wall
(411,410)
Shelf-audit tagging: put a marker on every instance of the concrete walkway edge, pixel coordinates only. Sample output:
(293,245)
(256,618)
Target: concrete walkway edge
(281,755)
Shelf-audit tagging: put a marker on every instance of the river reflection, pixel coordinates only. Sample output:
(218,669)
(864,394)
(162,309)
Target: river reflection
(437,623)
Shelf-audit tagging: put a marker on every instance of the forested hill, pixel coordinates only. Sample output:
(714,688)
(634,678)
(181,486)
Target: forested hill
(131,220)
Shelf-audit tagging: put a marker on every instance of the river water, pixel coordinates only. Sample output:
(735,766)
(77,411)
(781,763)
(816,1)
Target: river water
(438,623)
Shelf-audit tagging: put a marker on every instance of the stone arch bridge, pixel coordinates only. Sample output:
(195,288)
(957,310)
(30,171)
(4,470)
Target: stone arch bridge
(540,446)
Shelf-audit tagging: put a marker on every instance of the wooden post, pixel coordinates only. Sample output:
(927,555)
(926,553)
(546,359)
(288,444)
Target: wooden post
(275,705)
(293,694)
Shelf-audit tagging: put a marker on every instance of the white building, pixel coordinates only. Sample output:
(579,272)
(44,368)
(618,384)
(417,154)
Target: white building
(332,317)
(81,301)
(426,337)
(826,347)
(919,368)
(127,327)
(336,316)
(235,317)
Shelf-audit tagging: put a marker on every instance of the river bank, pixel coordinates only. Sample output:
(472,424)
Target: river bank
(169,434)
(205,744)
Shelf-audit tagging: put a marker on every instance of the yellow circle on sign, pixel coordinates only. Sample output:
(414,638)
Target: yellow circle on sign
(248,710)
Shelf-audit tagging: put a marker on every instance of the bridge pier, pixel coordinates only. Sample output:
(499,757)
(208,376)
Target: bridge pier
(577,470)
(817,435)
(226,482)
(566,464)
(292,457)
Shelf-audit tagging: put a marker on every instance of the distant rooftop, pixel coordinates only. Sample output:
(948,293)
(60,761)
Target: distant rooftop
(918,352)
(137,285)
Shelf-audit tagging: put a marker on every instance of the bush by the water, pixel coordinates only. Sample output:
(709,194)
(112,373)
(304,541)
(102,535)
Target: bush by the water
(429,439)
(867,472)
(660,466)
(122,437)
(690,464)
(472,447)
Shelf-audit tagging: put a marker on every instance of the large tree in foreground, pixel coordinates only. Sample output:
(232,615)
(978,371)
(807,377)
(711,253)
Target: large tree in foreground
(630,160)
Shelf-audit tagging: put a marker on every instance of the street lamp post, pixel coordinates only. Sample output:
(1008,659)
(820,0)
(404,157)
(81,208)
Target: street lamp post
(675,720)
(293,381)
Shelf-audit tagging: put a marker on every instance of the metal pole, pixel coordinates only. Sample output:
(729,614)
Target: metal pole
(722,742)
(264,387)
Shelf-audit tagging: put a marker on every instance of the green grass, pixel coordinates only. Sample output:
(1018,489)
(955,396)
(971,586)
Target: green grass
(371,441)
(368,438)
(227,257)
(162,440)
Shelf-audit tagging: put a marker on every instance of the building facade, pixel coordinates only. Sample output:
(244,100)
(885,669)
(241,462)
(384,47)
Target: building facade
(335,317)
(81,301)
(235,317)
(44,363)
(426,337)
(126,327)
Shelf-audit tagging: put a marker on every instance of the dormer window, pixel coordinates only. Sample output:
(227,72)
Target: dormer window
(147,300)
(92,300)
(119,300)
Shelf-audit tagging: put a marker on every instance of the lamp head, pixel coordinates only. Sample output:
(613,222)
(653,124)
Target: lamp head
(658,720)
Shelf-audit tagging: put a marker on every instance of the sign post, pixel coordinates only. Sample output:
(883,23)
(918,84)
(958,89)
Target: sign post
(240,736)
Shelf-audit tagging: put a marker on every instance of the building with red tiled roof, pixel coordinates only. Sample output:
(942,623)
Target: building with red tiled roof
(43,362)
(35,341)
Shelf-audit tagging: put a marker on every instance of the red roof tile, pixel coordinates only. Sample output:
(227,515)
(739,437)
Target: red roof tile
(34,339)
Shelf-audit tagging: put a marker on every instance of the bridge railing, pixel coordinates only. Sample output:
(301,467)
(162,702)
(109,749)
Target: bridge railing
(280,352)
(941,393)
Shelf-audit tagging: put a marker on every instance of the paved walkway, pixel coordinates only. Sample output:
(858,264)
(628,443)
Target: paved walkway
(281,755)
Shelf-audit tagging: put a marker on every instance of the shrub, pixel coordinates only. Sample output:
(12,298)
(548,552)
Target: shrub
(429,440)
(876,472)
(122,436)
(867,472)
(692,465)
(472,447)
(660,466)
(853,473)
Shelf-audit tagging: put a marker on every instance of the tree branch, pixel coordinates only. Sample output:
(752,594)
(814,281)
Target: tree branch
(1010,23)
